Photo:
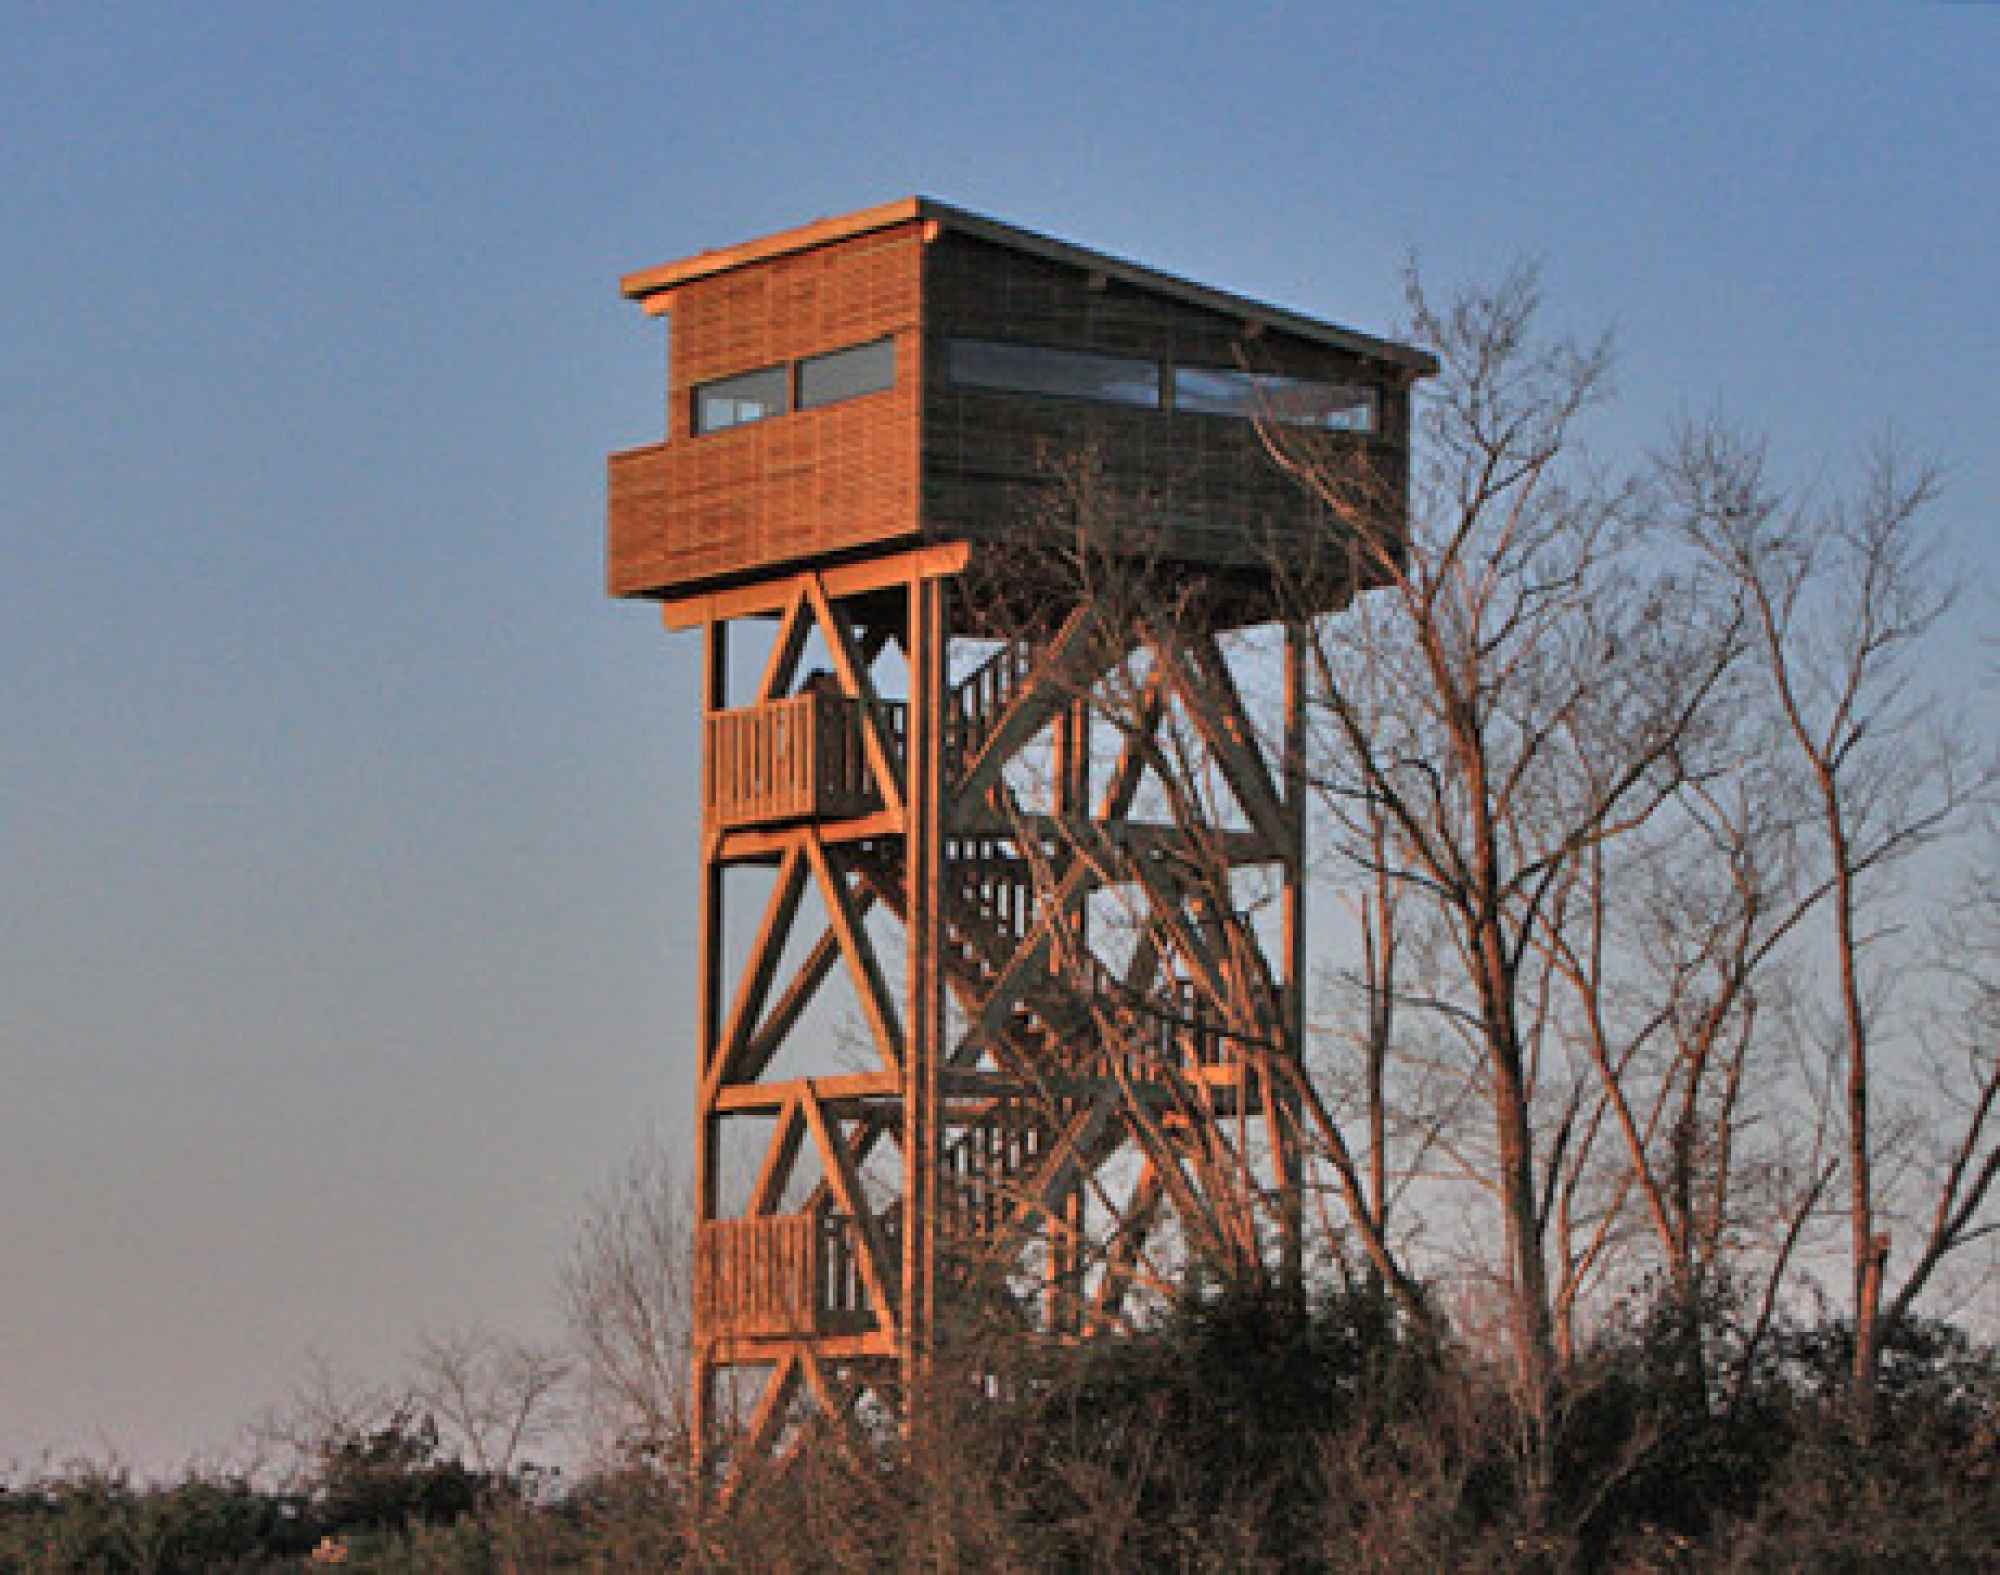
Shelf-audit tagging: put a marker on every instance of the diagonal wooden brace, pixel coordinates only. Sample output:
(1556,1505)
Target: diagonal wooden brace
(848,1193)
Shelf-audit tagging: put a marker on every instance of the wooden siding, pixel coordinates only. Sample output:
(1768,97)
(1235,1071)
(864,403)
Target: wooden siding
(1206,480)
(927,461)
(810,484)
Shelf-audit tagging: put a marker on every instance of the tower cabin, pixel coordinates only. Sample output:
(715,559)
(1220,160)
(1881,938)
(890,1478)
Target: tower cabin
(914,373)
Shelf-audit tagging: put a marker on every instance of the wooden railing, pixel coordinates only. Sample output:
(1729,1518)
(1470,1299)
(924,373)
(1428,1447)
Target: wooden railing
(784,1275)
(757,1276)
(994,882)
(793,759)
(977,700)
(840,1302)
(985,1166)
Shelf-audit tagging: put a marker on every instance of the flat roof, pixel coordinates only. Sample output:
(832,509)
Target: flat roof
(652,282)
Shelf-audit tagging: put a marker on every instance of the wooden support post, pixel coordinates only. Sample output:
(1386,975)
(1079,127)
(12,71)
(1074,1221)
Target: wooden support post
(708,1028)
(1060,1216)
(1281,1101)
(924,1020)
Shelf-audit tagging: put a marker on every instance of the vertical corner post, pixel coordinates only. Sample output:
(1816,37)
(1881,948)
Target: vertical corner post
(925,813)
(708,1031)
(1286,1116)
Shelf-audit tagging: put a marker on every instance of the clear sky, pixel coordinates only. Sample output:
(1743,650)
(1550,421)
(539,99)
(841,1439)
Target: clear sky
(346,830)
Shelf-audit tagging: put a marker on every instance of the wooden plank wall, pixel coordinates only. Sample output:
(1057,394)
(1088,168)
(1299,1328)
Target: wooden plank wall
(1208,477)
(929,459)
(806,485)
(757,1277)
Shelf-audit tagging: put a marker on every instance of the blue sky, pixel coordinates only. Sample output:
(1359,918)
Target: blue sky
(344,826)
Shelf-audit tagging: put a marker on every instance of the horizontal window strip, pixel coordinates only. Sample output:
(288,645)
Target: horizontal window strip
(1265,396)
(1044,369)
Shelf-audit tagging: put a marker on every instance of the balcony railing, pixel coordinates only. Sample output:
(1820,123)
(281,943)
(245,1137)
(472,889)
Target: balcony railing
(800,758)
(781,1275)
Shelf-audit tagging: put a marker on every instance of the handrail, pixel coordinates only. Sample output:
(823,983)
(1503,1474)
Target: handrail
(978,700)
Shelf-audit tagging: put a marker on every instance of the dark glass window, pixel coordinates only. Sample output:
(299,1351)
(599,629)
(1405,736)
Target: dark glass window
(1263,396)
(731,401)
(847,374)
(1037,369)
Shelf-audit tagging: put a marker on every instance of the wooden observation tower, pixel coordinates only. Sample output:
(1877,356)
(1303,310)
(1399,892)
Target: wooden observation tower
(974,523)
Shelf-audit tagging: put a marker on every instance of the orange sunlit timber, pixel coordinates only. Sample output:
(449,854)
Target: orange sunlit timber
(926,794)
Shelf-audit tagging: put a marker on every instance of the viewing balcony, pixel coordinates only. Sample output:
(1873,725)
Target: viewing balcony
(800,758)
(782,1276)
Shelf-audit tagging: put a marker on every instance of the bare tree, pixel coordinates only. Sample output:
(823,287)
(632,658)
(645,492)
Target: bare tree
(484,1399)
(1842,600)
(627,1288)
(1961,1171)
(492,1398)
(1525,687)
(324,1408)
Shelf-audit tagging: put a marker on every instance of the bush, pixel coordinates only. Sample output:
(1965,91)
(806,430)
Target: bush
(393,1477)
(1246,1430)
(93,1519)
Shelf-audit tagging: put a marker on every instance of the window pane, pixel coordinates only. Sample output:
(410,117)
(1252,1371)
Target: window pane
(1035,369)
(847,374)
(1296,401)
(731,401)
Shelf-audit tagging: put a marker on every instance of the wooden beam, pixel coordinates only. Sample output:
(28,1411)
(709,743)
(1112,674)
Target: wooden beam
(770,1413)
(709,918)
(854,676)
(708,1047)
(760,967)
(872,1122)
(766,597)
(738,1350)
(776,1170)
(1141,838)
(822,1386)
(760,846)
(833,1093)
(1057,679)
(1166,1169)
(1130,768)
(1029,959)
(1060,1171)
(847,1189)
(784,1014)
(1135,1224)
(1215,707)
(1287,1135)
(864,967)
(1166,919)
(783,662)
(924,865)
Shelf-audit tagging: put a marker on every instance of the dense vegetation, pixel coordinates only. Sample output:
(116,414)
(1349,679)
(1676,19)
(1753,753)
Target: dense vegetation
(1241,1432)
